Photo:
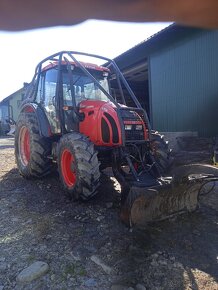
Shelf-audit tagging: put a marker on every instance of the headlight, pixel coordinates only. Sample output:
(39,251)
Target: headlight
(138,127)
(128,127)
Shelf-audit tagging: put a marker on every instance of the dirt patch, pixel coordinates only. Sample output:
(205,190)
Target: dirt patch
(87,247)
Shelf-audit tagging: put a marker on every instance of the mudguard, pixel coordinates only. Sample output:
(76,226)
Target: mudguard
(44,126)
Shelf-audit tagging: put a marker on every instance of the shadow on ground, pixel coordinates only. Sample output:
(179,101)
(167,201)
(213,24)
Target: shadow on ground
(168,255)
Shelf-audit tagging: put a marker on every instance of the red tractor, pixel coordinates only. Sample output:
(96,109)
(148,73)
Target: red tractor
(85,118)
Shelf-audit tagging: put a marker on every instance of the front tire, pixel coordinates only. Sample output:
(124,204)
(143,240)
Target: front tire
(161,153)
(31,149)
(78,166)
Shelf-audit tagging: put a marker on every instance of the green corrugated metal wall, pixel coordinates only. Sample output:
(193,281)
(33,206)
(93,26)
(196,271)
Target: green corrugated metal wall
(184,86)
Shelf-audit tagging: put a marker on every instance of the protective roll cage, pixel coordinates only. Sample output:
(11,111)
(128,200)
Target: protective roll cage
(67,57)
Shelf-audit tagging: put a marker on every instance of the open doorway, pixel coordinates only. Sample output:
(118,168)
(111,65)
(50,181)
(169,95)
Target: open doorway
(137,78)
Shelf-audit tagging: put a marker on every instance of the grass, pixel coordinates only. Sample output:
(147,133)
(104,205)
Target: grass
(74,270)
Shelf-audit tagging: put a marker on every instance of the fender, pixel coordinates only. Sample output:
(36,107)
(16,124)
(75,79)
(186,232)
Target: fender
(44,126)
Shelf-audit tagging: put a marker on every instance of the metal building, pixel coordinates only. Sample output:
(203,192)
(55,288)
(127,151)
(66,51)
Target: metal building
(175,76)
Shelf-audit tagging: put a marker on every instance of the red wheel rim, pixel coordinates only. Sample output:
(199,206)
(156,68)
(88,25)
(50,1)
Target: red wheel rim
(68,168)
(24,145)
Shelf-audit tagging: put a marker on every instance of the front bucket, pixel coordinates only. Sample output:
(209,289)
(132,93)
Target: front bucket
(144,205)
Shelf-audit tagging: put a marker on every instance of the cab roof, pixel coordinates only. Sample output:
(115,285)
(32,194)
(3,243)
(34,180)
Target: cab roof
(85,64)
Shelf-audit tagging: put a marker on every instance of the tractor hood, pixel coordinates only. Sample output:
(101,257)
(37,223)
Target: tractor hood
(101,123)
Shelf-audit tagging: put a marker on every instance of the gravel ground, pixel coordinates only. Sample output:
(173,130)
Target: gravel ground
(47,242)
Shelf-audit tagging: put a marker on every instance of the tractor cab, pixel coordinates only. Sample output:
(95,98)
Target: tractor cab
(62,88)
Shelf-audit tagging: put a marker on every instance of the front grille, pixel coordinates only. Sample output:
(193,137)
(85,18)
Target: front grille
(134,135)
(133,118)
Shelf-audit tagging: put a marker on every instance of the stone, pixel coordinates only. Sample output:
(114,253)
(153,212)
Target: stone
(76,256)
(90,282)
(109,205)
(3,267)
(118,287)
(34,271)
(172,259)
(100,218)
(1,287)
(154,264)
(155,256)
(140,287)
(163,262)
(97,261)
(178,265)
(196,232)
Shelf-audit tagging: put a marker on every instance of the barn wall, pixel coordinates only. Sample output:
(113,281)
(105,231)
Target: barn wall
(184,85)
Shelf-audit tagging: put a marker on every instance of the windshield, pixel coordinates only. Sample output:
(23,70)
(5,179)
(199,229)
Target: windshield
(84,87)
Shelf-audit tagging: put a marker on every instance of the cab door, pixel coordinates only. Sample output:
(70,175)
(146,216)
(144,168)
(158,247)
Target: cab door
(46,96)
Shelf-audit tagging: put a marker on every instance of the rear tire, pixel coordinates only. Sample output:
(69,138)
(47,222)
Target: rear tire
(161,153)
(78,166)
(31,149)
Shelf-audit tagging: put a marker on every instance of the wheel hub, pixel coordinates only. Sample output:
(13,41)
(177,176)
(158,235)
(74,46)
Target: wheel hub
(68,168)
(24,145)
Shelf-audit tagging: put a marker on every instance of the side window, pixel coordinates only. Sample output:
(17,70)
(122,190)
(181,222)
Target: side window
(67,97)
(40,95)
(46,97)
(50,86)
(67,94)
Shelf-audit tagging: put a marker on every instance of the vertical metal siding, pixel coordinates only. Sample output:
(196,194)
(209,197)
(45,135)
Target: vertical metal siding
(184,86)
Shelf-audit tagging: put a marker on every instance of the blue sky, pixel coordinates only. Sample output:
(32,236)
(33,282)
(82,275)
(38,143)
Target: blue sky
(21,51)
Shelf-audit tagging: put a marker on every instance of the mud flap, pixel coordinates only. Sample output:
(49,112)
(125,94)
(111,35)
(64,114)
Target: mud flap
(144,205)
